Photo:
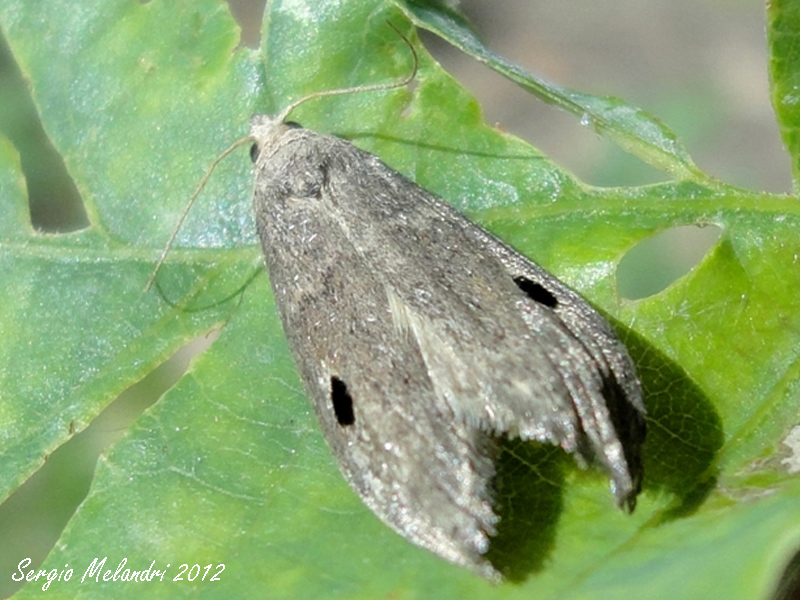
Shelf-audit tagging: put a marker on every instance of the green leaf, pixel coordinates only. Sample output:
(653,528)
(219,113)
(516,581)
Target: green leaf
(784,67)
(631,128)
(229,467)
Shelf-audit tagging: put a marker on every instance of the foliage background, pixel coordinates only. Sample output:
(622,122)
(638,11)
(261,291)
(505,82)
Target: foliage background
(649,559)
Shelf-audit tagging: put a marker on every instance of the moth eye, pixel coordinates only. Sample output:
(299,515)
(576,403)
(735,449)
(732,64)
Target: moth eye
(536,292)
(254,152)
(342,402)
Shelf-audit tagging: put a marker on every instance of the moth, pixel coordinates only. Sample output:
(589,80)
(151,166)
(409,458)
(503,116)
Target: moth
(422,340)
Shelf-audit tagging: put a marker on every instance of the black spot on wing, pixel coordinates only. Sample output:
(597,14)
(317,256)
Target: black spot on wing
(342,402)
(536,292)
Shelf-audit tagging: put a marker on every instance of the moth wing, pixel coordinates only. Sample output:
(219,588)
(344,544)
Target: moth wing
(420,341)
(522,353)
(603,388)
(611,415)
(418,466)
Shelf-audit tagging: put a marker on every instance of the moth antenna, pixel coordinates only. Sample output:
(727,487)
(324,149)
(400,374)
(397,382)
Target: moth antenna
(200,186)
(284,114)
(281,118)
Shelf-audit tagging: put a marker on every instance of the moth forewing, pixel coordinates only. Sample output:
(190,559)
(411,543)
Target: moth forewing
(422,339)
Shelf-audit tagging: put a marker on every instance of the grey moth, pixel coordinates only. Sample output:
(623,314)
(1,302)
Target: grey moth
(422,339)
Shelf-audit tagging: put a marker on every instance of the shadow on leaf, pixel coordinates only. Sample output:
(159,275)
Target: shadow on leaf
(684,431)
(529,495)
(684,434)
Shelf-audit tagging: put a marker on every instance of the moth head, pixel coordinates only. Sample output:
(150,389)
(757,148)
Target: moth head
(265,130)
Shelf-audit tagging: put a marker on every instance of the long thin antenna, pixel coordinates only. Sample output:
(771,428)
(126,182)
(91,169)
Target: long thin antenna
(283,115)
(201,185)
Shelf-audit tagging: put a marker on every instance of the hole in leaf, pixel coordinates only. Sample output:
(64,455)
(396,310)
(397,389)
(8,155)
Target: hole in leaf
(342,402)
(792,443)
(248,15)
(33,517)
(54,201)
(657,262)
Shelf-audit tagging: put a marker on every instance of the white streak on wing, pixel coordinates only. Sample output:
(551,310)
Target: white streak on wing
(450,375)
